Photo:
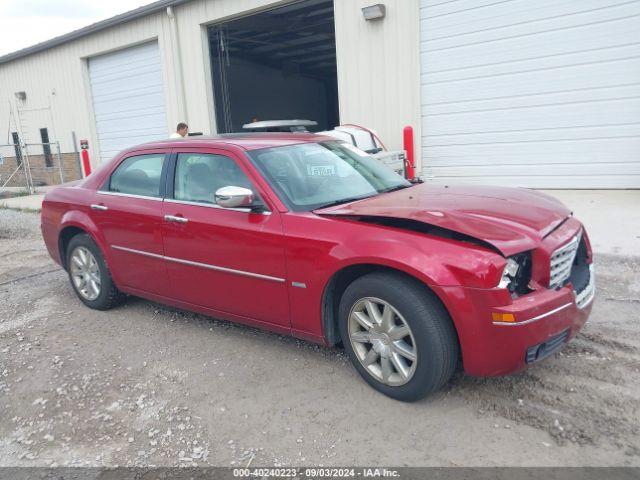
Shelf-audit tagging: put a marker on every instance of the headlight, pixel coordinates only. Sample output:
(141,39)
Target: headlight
(509,273)
(517,274)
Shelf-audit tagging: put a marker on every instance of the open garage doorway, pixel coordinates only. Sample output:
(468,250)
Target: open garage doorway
(274,65)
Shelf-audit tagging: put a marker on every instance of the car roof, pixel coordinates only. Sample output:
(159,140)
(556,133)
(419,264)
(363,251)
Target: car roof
(247,141)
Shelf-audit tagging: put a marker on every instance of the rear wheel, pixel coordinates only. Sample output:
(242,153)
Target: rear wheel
(89,275)
(398,335)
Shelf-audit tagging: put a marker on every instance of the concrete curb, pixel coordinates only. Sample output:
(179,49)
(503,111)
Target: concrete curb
(27,202)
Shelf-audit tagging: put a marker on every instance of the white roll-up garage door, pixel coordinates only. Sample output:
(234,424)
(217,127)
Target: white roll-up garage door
(128,98)
(537,94)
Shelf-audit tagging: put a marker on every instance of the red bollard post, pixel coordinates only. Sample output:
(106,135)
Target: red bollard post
(86,164)
(407,135)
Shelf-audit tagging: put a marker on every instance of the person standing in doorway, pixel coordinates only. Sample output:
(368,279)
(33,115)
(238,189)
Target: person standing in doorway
(181,131)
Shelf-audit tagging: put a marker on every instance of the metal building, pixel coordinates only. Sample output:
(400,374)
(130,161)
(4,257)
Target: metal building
(537,94)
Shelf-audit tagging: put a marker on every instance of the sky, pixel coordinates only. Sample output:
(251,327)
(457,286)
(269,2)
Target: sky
(26,22)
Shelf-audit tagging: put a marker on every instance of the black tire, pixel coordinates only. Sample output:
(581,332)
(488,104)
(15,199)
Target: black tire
(109,295)
(435,336)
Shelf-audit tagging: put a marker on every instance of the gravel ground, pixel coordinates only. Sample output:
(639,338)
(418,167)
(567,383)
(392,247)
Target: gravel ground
(145,384)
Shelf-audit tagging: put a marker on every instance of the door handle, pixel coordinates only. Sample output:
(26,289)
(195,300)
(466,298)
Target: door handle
(173,218)
(98,207)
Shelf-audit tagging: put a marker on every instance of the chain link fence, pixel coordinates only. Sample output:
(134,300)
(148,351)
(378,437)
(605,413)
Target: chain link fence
(27,166)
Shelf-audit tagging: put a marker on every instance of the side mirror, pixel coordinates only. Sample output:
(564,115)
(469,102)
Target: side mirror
(234,197)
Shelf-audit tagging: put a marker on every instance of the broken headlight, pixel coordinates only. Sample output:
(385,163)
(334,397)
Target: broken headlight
(517,274)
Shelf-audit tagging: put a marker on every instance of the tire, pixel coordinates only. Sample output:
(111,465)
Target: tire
(431,338)
(94,271)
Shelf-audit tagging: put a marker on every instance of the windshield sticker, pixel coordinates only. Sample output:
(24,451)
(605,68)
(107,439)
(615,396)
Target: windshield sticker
(321,170)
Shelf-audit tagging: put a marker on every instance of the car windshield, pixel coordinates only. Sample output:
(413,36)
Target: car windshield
(314,175)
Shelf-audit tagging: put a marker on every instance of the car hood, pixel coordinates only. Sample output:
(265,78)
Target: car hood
(512,220)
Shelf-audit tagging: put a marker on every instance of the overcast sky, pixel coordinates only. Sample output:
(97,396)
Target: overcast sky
(26,22)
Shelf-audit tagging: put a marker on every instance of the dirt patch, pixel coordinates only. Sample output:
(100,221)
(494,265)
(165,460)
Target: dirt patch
(145,384)
(589,392)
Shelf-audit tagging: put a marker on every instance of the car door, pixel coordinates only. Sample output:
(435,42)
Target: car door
(229,260)
(128,212)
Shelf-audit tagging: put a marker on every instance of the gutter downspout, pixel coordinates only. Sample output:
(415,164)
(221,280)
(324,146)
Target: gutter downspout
(177,60)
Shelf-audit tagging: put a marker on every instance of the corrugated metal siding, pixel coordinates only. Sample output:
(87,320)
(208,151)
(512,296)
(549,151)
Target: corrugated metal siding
(192,19)
(128,98)
(63,70)
(543,94)
(59,76)
(379,68)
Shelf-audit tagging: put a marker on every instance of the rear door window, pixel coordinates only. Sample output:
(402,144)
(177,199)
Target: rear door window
(138,175)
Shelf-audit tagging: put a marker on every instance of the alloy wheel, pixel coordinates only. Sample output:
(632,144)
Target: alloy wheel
(382,341)
(85,273)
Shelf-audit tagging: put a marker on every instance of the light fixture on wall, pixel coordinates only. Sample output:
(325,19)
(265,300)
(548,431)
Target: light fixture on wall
(374,12)
(22,96)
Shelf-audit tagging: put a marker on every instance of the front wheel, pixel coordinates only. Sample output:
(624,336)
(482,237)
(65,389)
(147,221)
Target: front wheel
(398,335)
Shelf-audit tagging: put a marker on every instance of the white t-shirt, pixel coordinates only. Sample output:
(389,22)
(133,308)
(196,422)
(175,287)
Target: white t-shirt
(176,135)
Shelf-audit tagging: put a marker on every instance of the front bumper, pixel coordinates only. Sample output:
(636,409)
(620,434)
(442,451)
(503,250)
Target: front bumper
(545,321)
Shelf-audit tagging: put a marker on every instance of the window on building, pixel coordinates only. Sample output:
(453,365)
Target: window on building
(46,147)
(16,146)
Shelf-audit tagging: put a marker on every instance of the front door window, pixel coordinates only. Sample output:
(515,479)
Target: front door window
(199,176)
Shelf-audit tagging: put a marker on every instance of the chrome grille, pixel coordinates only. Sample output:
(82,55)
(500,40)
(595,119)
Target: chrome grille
(561,262)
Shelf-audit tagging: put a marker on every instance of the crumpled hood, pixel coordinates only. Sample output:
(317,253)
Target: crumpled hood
(513,220)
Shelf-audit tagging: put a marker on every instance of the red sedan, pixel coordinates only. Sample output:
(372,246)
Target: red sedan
(307,236)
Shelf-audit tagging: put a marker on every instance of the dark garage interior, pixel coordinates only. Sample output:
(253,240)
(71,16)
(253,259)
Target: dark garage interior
(274,65)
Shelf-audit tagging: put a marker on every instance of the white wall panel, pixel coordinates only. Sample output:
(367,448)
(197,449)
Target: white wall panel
(543,94)
(379,68)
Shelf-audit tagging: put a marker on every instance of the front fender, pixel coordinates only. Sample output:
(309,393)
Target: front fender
(433,261)
(337,244)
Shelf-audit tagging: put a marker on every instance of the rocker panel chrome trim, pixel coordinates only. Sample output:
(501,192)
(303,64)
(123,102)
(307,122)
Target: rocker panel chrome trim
(198,264)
